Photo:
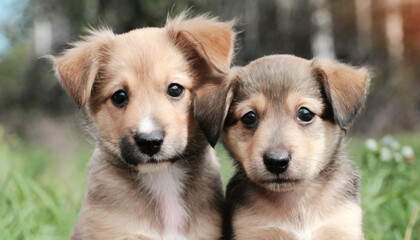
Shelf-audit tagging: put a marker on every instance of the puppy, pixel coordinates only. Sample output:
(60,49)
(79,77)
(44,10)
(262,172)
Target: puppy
(285,129)
(151,97)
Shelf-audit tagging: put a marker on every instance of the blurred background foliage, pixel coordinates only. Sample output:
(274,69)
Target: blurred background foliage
(43,152)
(382,34)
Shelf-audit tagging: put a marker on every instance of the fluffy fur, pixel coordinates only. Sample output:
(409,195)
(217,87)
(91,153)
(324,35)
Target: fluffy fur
(317,195)
(175,193)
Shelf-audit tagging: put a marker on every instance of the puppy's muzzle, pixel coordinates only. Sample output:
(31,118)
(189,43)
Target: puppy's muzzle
(276,162)
(149,143)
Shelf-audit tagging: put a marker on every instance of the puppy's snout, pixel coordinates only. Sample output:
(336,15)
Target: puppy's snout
(276,162)
(149,143)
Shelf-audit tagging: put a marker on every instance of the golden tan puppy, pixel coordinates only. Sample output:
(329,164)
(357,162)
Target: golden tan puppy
(152,99)
(285,128)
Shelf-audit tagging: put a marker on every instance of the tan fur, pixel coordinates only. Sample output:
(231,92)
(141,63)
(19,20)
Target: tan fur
(320,199)
(115,207)
(347,88)
(208,40)
(122,200)
(78,67)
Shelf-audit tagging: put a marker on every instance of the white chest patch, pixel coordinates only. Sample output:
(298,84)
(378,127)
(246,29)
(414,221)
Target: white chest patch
(166,188)
(302,234)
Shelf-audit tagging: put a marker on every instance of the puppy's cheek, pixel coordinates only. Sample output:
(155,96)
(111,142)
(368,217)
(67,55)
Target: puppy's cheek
(174,146)
(302,146)
(258,147)
(108,130)
(237,147)
(257,170)
(249,170)
(176,122)
(300,165)
(234,143)
(319,152)
(245,150)
(176,140)
(253,163)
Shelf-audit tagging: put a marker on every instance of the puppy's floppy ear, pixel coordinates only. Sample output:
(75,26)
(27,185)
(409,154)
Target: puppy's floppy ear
(345,87)
(208,47)
(205,38)
(77,67)
(210,109)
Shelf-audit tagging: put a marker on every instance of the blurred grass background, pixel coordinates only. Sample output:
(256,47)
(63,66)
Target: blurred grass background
(40,196)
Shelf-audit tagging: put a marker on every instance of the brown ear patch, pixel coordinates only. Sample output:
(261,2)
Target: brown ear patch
(209,38)
(345,88)
(210,107)
(77,67)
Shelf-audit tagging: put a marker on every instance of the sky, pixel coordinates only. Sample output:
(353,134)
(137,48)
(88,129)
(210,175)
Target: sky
(8,14)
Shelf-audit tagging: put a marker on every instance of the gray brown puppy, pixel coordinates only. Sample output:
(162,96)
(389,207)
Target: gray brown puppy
(285,129)
(152,99)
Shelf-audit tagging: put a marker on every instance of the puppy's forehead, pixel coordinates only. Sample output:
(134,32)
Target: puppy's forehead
(276,76)
(147,51)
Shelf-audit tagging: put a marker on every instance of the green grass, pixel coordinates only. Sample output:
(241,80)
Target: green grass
(40,195)
(390,192)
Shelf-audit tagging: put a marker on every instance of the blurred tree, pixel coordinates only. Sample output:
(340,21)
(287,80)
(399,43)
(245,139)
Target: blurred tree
(252,34)
(382,34)
(322,36)
(364,26)
(394,32)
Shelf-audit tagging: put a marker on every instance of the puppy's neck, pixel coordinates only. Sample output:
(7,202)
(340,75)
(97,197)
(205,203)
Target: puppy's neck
(164,190)
(167,189)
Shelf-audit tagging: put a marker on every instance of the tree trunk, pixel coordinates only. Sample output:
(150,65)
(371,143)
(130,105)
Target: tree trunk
(394,32)
(364,26)
(251,40)
(322,40)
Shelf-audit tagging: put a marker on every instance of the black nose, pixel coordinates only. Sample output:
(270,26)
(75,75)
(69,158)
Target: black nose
(149,143)
(276,162)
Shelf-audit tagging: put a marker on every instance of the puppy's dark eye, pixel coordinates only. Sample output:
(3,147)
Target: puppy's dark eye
(175,90)
(119,99)
(249,120)
(304,115)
